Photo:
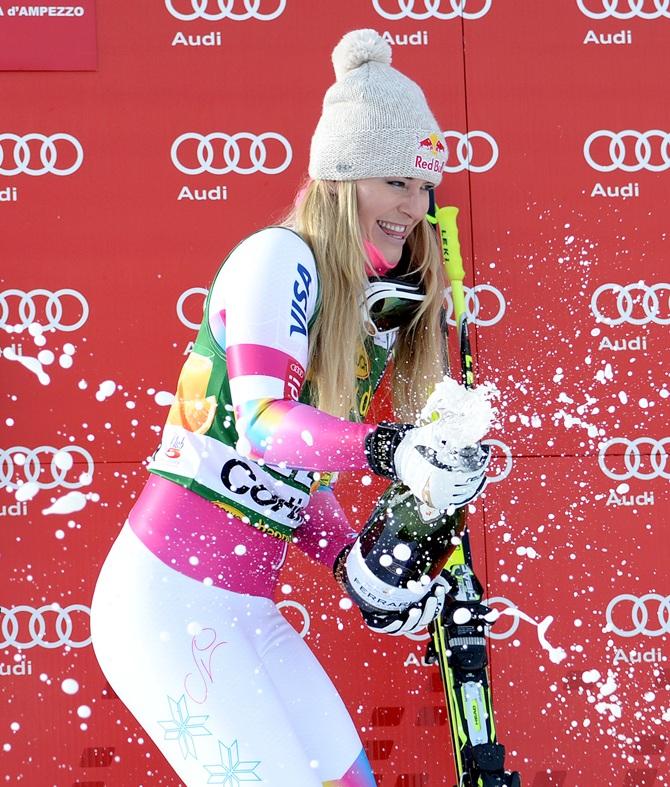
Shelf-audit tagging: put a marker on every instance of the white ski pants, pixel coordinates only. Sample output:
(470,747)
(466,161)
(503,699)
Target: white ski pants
(224,686)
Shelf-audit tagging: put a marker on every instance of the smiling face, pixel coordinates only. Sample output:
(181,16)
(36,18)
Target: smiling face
(389,209)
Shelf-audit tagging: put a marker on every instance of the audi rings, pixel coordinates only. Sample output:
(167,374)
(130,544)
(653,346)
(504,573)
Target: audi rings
(465,154)
(438,9)
(183,319)
(473,305)
(39,633)
(509,462)
(510,631)
(618,149)
(231,152)
(633,459)
(304,614)
(225,10)
(50,151)
(32,461)
(652,305)
(635,8)
(52,315)
(637,617)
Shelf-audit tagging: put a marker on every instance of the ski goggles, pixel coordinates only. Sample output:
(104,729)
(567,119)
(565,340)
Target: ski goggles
(391,303)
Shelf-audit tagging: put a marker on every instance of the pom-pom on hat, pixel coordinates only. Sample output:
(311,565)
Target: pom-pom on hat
(375,121)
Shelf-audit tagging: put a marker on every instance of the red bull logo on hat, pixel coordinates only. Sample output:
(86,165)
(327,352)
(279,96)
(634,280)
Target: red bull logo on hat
(434,145)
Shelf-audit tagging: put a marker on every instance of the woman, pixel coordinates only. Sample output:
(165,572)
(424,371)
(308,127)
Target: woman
(299,325)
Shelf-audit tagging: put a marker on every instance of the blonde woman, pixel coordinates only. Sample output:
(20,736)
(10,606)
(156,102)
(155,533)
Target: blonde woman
(299,325)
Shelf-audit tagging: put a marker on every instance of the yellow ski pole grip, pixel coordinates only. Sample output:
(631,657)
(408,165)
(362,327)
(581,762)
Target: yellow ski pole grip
(453,262)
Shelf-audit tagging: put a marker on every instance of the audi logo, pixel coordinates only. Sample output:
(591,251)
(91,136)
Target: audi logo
(431,8)
(473,305)
(422,636)
(43,630)
(635,614)
(507,467)
(494,631)
(51,150)
(224,9)
(304,614)
(631,8)
(181,301)
(50,313)
(629,150)
(202,152)
(32,461)
(623,300)
(465,151)
(635,464)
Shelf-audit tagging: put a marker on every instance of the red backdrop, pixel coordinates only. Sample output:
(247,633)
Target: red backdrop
(115,214)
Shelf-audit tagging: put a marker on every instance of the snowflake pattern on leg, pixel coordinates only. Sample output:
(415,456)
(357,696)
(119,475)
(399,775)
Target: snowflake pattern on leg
(230,771)
(183,727)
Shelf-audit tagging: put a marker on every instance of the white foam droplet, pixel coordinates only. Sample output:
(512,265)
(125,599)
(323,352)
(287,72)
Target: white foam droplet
(26,491)
(402,552)
(46,357)
(70,686)
(63,460)
(462,616)
(67,504)
(32,364)
(105,390)
(307,437)
(609,686)
(68,348)
(164,398)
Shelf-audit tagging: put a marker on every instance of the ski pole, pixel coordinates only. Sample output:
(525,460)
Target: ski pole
(458,645)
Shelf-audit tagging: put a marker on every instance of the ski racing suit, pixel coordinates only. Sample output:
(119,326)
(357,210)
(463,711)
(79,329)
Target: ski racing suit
(183,623)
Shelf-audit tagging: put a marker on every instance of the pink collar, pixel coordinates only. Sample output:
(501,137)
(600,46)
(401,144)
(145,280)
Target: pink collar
(377,262)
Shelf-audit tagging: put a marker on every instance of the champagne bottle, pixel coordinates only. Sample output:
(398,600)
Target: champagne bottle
(402,547)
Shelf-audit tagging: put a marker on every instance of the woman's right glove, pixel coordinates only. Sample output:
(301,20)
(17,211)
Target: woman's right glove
(415,456)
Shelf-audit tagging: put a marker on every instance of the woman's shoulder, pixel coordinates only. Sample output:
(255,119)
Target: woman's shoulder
(273,242)
(275,256)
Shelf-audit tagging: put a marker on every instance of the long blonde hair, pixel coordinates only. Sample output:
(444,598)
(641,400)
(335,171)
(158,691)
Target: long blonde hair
(326,217)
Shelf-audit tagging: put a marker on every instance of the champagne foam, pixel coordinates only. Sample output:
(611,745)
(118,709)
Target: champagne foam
(461,416)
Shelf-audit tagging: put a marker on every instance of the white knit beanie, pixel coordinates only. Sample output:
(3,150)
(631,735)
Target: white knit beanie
(375,121)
